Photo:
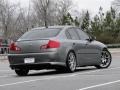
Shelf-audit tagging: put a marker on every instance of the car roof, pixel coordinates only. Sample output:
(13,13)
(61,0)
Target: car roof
(61,27)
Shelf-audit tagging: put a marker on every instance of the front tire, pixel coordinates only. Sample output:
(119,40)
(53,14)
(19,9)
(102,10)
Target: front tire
(71,62)
(106,59)
(21,72)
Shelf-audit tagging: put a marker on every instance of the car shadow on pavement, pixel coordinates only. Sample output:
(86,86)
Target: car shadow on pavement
(55,72)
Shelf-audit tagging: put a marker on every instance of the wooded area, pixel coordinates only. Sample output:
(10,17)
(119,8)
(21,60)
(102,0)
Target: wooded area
(16,20)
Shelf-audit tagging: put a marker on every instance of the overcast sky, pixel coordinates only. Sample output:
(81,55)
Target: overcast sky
(91,5)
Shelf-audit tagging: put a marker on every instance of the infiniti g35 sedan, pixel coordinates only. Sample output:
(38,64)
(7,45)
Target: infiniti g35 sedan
(57,47)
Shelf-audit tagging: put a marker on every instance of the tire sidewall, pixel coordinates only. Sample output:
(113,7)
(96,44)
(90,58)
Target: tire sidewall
(67,65)
(99,66)
(21,72)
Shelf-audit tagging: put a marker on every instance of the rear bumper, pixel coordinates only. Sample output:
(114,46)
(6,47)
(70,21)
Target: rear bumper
(42,60)
(38,66)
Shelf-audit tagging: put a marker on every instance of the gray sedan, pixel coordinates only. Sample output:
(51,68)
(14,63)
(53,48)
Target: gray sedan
(57,47)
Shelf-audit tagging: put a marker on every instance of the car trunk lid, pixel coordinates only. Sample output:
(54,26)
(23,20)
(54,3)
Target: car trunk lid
(30,46)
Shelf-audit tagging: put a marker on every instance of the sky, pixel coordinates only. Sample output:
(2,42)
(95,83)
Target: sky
(91,5)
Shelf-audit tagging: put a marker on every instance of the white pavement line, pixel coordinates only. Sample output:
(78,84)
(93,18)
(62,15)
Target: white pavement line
(49,78)
(97,70)
(99,85)
(32,81)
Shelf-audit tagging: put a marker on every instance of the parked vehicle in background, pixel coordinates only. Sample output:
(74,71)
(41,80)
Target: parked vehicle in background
(4,46)
(57,47)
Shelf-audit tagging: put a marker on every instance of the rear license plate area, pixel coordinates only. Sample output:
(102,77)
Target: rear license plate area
(29,60)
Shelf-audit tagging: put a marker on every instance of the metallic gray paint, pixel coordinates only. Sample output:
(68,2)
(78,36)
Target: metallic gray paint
(87,53)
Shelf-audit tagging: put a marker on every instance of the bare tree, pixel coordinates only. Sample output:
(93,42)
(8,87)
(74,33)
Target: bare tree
(51,12)
(116,5)
(6,17)
(22,22)
(63,8)
(41,8)
(15,21)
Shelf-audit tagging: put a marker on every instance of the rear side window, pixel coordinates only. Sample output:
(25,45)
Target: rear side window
(82,34)
(40,33)
(68,35)
(73,34)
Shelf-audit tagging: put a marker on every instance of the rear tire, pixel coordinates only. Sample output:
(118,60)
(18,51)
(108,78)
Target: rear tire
(106,59)
(21,72)
(71,62)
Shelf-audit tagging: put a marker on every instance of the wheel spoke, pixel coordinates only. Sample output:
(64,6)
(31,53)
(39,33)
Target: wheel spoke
(72,62)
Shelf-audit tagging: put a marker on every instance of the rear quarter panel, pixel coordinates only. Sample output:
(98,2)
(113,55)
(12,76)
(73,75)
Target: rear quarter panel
(65,47)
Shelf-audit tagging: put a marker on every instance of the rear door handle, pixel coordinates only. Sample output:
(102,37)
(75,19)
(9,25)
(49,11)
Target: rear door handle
(73,43)
(87,43)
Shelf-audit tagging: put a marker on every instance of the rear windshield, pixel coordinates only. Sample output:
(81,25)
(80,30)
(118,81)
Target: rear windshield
(40,33)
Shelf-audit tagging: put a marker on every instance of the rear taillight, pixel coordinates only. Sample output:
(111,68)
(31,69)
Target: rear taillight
(14,47)
(51,44)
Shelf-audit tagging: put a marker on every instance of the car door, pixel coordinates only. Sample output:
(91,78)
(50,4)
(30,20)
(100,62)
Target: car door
(78,45)
(74,39)
(90,51)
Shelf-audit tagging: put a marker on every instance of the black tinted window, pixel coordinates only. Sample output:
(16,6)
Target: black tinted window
(82,34)
(40,33)
(73,34)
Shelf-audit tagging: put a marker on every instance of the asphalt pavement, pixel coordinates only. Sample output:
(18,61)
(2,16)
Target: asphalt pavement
(87,78)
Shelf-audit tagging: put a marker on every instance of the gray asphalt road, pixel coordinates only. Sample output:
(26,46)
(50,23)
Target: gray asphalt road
(88,78)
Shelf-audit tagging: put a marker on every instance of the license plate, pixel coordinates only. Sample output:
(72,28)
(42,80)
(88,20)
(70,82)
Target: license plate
(29,60)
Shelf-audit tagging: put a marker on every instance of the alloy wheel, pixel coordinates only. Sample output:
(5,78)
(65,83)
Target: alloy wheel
(71,62)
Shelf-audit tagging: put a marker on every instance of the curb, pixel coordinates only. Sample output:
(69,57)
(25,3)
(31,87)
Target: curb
(113,52)
(116,50)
